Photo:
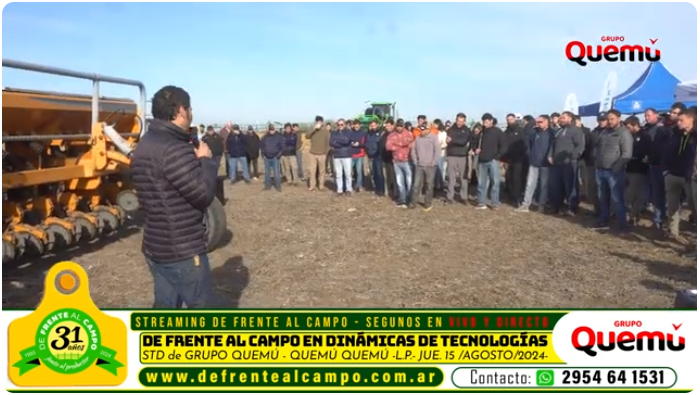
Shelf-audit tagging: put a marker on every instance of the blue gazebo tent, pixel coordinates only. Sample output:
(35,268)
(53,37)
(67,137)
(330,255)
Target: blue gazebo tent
(655,88)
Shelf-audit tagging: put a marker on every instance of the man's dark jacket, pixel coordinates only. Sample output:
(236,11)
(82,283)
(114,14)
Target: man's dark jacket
(679,153)
(387,156)
(215,143)
(252,145)
(517,145)
(493,144)
(272,145)
(459,141)
(174,189)
(658,134)
(640,149)
(236,145)
(372,143)
(590,138)
(290,144)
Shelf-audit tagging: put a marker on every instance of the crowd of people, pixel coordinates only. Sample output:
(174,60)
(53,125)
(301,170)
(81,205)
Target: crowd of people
(622,167)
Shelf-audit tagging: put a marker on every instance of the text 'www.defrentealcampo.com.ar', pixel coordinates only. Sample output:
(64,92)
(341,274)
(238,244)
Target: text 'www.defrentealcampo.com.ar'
(290,376)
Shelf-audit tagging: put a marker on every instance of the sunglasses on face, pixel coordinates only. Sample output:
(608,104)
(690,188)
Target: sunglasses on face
(341,124)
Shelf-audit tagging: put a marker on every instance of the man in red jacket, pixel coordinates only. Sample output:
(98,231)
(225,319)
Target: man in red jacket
(400,143)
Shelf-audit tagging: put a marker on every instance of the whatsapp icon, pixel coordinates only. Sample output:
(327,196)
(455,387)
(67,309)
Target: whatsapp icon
(544,378)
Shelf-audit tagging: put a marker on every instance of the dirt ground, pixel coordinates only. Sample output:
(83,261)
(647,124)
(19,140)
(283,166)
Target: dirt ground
(312,249)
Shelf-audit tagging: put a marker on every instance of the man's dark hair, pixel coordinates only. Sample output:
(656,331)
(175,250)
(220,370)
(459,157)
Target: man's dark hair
(568,113)
(615,113)
(510,114)
(488,117)
(319,118)
(210,127)
(528,119)
(576,117)
(554,115)
(545,116)
(632,121)
(422,118)
(407,125)
(389,122)
(166,103)
(287,125)
(691,111)
(400,120)
(355,122)
(652,110)
(328,124)
(478,126)
(295,125)
(461,115)
(678,106)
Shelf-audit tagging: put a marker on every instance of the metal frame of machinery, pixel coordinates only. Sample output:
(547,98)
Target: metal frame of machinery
(65,163)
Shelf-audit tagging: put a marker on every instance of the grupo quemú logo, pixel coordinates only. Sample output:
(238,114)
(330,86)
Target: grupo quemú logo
(612,50)
(590,342)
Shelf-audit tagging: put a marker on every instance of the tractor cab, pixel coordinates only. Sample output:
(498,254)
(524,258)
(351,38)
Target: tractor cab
(379,110)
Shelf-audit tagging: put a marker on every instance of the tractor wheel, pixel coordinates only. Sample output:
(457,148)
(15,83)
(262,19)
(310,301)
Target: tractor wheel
(215,225)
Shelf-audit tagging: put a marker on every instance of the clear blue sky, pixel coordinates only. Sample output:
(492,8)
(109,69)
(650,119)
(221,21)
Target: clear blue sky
(290,61)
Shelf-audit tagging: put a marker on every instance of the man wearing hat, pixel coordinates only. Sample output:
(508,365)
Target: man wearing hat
(252,141)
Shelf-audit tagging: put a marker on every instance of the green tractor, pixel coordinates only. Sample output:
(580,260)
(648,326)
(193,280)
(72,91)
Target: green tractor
(379,112)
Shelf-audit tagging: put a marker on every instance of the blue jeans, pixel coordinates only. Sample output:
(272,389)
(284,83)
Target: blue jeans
(537,179)
(489,173)
(561,183)
(658,194)
(188,281)
(611,191)
(343,174)
(404,180)
(233,168)
(378,175)
(272,168)
(440,174)
(359,172)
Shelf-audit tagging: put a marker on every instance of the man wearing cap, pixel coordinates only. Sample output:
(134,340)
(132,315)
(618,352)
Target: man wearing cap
(341,144)
(237,149)
(289,155)
(215,143)
(271,148)
(358,138)
(400,143)
(252,141)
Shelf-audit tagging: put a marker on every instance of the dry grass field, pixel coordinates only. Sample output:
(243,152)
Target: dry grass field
(312,249)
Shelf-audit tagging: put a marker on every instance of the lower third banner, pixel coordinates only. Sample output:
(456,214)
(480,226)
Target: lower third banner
(68,344)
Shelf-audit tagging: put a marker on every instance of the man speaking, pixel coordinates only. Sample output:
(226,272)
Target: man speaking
(175,183)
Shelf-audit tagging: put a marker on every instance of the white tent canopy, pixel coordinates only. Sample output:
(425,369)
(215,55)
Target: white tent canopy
(687,91)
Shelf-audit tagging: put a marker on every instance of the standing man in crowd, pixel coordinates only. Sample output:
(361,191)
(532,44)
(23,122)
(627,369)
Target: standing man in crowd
(678,163)
(566,151)
(358,137)
(400,143)
(529,125)
(657,135)
(252,142)
(425,154)
(289,155)
(456,152)
(172,177)
(539,143)
(374,153)
(236,145)
(516,160)
(319,144)
(223,133)
(272,146)
(341,144)
(637,192)
(493,147)
(216,145)
(302,169)
(388,159)
(590,185)
(613,151)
